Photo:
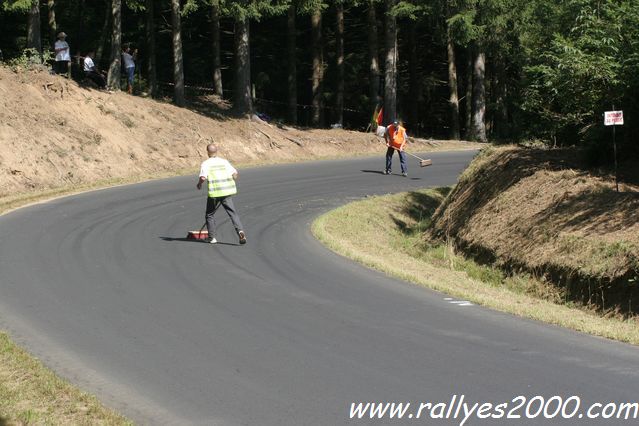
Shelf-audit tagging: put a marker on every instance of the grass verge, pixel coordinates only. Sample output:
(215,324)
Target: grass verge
(31,394)
(368,230)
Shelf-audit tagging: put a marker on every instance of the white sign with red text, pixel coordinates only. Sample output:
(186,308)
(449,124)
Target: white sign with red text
(613,118)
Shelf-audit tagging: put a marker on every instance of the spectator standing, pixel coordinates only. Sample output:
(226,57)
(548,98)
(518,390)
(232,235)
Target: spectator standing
(128,60)
(62,55)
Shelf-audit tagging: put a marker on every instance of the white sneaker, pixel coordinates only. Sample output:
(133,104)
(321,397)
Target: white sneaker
(211,240)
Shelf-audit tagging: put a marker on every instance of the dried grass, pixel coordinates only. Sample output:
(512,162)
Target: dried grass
(542,211)
(32,394)
(395,223)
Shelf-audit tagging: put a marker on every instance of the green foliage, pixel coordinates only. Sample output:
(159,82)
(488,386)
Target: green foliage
(253,9)
(306,7)
(16,5)
(584,69)
(191,6)
(31,57)
(463,27)
(135,5)
(411,10)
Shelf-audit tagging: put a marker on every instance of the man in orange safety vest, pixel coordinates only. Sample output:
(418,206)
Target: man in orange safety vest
(396,138)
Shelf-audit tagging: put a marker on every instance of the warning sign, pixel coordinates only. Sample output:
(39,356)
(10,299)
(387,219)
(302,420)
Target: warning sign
(613,118)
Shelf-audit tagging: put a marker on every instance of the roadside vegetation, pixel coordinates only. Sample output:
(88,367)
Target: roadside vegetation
(30,393)
(547,213)
(597,273)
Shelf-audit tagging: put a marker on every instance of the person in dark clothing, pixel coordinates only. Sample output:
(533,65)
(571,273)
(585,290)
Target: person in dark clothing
(91,72)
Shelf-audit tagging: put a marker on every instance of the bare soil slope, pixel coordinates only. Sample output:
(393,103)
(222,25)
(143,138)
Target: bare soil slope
(55,133)
(543,212)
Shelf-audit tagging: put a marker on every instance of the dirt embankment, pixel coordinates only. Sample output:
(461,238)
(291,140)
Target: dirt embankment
(543,212)
(55,133)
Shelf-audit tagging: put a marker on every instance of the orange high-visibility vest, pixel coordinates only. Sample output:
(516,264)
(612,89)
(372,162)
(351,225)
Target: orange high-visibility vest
(397,136)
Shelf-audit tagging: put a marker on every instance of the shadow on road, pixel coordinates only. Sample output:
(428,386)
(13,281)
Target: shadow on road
(191,240)
(379,172)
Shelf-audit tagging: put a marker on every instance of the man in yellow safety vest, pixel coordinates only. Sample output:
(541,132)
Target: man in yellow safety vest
(221,177)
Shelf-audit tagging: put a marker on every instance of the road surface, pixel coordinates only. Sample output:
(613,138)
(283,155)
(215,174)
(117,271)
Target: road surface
(104,288)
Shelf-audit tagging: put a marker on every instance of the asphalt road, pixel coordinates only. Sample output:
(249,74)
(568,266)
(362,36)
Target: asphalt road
(104,288)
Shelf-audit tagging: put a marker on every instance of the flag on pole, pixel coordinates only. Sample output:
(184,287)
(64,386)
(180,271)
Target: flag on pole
(380,116)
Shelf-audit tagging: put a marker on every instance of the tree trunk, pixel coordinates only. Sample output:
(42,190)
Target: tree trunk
(292,63)
(318,68)
(103,35)
(113,78)
(373,52)
(53,26)
(178,60)
(243,101)
(390,65)
(150,43)
(501,127)
(217,62)
(469,95)
(80,18)
(453,99)
(34,39)
(413,78)
(339,101)
(479,98)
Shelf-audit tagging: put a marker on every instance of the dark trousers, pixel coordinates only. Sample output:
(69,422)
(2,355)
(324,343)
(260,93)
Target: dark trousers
(97,78)
(212,204)
(61,67)
(389,159)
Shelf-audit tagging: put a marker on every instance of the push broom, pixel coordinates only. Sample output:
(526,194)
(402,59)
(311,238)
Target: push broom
(422,162)
(198,235)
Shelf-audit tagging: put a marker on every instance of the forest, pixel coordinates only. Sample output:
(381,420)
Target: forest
(499,70)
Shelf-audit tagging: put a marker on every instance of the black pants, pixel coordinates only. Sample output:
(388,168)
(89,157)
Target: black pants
(97,78)
(212,204)
(61,67)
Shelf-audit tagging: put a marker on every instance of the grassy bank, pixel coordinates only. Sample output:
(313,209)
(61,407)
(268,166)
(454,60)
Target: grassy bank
(551,214)
(369,229)
(31,394)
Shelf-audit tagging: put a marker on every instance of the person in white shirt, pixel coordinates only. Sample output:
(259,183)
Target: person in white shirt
(62,55)
(128,60)
(91,72)
(221,176)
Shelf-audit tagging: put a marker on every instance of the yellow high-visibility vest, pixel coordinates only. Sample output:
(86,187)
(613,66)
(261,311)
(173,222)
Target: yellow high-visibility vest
(221,183)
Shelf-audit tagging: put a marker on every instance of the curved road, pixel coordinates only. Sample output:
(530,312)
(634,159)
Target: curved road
(104,289)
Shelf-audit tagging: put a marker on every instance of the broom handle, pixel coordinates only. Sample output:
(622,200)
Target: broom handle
(396,149)
(412,155)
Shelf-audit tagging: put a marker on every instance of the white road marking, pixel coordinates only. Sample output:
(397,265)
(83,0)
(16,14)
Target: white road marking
(458,302)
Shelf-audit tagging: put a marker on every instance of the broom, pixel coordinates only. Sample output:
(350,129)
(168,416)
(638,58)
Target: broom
(422,162)
(198,235)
